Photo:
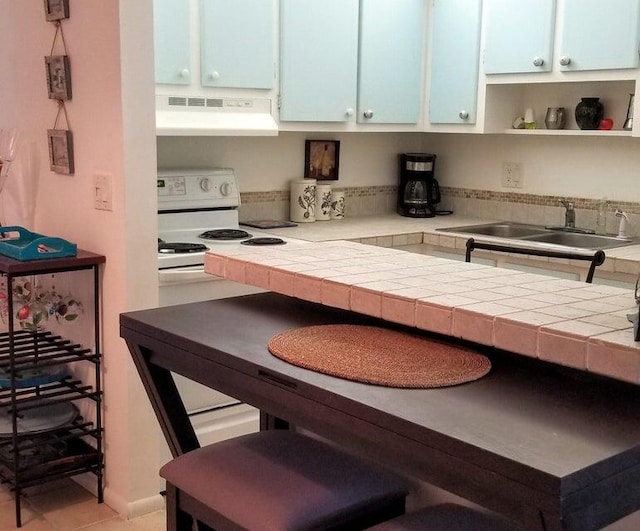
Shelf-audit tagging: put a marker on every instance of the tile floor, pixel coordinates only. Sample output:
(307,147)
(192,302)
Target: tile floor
(65,506)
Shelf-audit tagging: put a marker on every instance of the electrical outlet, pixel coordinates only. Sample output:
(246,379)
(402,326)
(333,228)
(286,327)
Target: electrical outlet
(512,175)
(102,196)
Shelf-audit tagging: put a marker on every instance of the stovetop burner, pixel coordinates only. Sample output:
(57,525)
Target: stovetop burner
(263,241)
(180,248)
(224,234)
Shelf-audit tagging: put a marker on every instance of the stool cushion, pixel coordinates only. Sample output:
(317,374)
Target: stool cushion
(281,480)
(447,517)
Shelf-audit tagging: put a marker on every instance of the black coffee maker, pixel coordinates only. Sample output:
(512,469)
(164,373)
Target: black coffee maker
(418,192)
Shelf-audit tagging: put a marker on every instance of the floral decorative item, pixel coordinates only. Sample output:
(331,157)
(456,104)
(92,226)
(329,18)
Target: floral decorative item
(303,201)
(36,304)
(323,202)
(337,205)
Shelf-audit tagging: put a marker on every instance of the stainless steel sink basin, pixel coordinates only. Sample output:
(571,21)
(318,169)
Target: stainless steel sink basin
(537,233)
(583,241)
(504,229)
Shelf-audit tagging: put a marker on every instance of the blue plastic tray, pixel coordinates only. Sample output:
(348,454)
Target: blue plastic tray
(31,246)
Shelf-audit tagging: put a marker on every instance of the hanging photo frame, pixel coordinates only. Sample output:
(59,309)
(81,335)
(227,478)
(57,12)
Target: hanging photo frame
(60,151)
(56,9)
(58,69)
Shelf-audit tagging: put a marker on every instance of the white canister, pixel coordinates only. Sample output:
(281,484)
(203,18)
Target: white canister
(303,201)
(337,205)
(323,202)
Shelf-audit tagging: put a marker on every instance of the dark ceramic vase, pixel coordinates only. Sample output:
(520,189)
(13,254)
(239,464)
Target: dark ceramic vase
(589,112)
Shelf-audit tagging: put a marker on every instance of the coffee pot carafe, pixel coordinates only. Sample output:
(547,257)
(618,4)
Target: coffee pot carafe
(418,191)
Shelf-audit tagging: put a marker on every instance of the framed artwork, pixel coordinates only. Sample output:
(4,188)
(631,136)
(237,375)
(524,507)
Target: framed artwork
(56,9)
(60,151)
(321,159)
(58,77)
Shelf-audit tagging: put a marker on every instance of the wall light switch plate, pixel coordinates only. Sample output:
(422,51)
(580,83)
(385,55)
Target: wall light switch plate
(102,195)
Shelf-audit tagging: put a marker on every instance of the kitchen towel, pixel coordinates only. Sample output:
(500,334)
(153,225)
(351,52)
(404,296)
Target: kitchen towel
(379,356)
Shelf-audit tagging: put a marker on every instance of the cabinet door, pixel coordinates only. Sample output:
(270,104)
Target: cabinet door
(390,69)
(600,34)
(318,60)
(236,43)
(172,41)
(519,36)
(455,57)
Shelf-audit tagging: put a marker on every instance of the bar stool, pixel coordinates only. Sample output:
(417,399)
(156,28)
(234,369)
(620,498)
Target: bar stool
(447,517)
(278,480)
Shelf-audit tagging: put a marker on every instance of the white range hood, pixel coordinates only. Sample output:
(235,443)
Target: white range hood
(203,116)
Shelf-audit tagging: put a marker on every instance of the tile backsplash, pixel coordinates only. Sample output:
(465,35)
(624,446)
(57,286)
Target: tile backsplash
(483,204)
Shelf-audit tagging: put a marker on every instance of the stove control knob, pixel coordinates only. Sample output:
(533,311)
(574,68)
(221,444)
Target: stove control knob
(225,189)
(205,184)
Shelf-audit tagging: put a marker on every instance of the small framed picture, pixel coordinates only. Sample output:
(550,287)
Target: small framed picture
(58,77)
(56,9)
(321,159)
(61,151)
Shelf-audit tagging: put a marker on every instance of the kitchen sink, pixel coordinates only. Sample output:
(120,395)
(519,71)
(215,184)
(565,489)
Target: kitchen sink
(537,233)
(503,229)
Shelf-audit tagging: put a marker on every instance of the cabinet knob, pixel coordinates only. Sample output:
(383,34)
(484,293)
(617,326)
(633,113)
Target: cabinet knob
(463,115)
(184,72)
(565,60)
(214,75)
(368,114)
(538,61)
(349,112)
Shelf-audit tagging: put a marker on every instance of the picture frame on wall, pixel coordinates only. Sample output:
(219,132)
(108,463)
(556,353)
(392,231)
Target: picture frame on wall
(60,151)
(58,69)
(56,9)
(322,159)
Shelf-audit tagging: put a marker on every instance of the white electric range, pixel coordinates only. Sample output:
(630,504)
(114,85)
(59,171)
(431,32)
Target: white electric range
(198,210)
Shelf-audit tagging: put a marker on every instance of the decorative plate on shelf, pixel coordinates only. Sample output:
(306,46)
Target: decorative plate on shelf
(33,376)
(45,417)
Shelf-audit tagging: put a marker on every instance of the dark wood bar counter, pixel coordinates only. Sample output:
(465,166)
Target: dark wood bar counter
(549,447)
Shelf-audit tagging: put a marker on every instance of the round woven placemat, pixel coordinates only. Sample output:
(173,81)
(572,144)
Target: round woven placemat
(379,356)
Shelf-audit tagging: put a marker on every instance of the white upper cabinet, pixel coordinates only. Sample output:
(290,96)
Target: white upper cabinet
(172,41)
(237,43)
(318,60)
(455,44)
(519,36)
(390,67)
(348,61)
(599,35)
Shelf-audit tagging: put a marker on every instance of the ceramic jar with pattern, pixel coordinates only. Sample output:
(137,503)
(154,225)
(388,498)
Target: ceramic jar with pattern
(323,202)
(337,205)
(303,201)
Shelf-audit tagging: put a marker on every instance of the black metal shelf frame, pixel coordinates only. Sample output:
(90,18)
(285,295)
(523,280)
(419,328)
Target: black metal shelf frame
(68,450)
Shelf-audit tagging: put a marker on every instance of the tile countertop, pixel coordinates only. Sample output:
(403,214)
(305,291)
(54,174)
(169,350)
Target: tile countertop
(393,230)
(567,322)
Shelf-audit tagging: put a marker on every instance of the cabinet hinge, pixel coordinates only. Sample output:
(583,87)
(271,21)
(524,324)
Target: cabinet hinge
(278,101)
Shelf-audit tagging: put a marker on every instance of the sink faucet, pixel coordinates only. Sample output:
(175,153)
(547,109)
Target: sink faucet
(622,227)
(569,215)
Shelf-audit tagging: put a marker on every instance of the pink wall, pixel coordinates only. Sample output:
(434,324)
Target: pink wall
(111,115)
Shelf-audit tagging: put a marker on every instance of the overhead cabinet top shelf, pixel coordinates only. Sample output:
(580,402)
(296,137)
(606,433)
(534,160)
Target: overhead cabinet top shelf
(586,35)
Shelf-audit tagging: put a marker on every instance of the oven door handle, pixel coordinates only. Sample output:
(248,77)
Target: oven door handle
(195,274)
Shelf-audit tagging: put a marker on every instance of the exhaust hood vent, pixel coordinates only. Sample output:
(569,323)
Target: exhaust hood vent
(201,116)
